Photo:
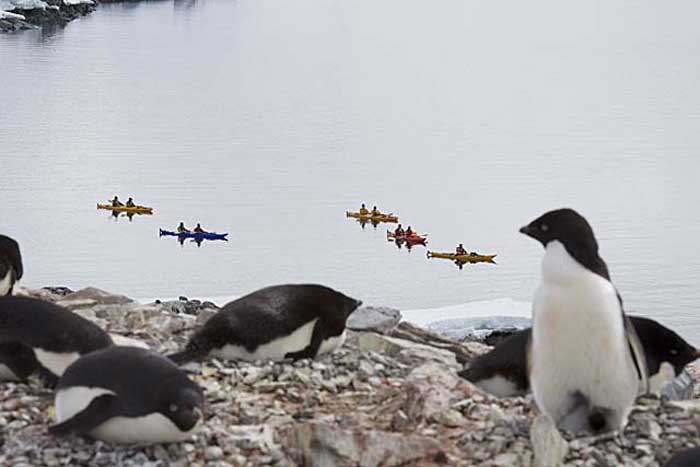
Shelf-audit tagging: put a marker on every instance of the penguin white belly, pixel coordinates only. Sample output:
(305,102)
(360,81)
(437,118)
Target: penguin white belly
(6,283)
(72,400)
(332,343)
(6,374)
(124,341)
(499,387)
(276,349)
(56,363)
(147,429)
(579,343)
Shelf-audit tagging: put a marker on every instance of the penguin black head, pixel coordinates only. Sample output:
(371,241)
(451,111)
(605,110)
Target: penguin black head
(9,254)
(662,345)
(565,225)
(182,401)
(573,231)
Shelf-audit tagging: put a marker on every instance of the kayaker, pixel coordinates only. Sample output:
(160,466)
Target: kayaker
(130,203)
(199,229)
(399,232)
(376,212)
(410,232)
(181,228)
(363,210)
(460,250)
(116,203)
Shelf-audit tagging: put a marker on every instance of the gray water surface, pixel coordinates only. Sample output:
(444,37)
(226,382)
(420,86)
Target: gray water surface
(269,119)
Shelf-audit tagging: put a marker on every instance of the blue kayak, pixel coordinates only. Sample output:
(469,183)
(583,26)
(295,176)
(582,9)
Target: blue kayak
(205,236)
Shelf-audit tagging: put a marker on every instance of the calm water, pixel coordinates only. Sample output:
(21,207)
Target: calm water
(268,120)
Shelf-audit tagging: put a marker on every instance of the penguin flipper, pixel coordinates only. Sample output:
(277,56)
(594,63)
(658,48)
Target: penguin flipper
(99,410)
(19,359)
(637,352)
(310,350)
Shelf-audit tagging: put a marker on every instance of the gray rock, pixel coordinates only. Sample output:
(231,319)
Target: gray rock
(431,390)
(378,319)
(321,445)
(477,328)
(680,388)
(92,296)
(406,350)
(547,443)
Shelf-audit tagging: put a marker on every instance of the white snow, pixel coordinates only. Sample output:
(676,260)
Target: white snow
(8,15)
(78,2)
(9,5)
(482,309)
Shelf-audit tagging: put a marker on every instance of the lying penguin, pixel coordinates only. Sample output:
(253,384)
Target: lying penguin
(503,371)
(10,272)
(274,323)
(10,265)
(41,337)
(127,395)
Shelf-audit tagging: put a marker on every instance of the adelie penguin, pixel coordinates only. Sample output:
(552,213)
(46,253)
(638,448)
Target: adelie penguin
(584,358)
(10,265)
(274,323)
(37,336)
(127,395)
(503,371)
(10,272)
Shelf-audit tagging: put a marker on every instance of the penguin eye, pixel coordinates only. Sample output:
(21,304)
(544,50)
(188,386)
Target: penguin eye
(173,407)
(544,227)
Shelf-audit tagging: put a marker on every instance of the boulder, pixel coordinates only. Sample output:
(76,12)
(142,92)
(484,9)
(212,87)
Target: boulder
(431,391)
(322,445)
(377,319)
(405,350)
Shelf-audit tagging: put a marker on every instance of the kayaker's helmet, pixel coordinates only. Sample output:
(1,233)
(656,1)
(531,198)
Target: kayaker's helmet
(461,246)
(116,197)
(374,208)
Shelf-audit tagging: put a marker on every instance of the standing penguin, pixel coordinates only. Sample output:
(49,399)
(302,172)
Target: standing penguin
(127,395)
(503,371)
(274,323)
(10,265)
(585,360)
(40,336)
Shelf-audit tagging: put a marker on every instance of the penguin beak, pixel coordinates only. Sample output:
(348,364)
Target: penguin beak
(696,354)
(528,230)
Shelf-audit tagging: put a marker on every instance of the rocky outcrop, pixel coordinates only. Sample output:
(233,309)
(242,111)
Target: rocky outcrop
(33,13)
(390,397)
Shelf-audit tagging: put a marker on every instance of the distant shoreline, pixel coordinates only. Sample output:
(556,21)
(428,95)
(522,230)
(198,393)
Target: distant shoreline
(45,13)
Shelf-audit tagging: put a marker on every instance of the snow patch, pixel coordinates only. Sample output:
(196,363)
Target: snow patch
(9,5)
(8,15)
(482,309)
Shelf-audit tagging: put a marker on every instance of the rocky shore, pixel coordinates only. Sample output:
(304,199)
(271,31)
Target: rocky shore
(16,15)
(389,397)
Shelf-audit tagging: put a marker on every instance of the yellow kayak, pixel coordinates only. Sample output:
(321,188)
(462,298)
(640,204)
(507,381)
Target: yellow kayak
(471,258)
(136,209)
(370,217)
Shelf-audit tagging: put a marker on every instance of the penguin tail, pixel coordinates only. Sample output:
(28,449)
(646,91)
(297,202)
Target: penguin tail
(182,358)
(186,356)
(597,420)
